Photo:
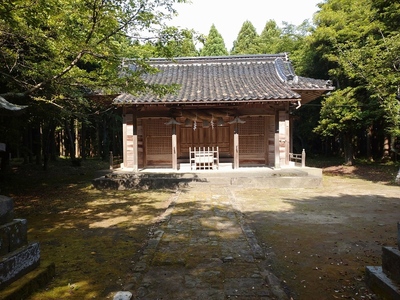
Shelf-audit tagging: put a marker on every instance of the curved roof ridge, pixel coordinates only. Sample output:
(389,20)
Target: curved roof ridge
(284,69)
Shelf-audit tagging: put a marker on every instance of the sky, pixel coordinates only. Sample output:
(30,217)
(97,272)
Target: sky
(228,16)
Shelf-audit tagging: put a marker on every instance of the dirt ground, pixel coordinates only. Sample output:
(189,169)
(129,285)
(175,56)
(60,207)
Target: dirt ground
(318,241)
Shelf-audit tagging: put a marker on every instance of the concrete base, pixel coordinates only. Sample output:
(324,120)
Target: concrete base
(382,285)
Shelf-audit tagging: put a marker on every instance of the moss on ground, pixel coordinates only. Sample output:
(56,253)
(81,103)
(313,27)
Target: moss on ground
(93,237)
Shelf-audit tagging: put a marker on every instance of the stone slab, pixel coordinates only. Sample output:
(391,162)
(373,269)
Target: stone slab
(391,263)
(6,209)
(18,263)
(13,235)
(382,285)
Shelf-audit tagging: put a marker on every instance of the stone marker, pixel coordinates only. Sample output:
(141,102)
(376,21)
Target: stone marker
(6,209)
(385,280)
(17,256)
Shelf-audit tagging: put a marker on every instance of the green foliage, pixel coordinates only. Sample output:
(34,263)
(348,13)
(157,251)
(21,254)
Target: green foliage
(270,38)
(214,44)
(247,41)
(360,41)
(59,49)
(340,112)
(54,53)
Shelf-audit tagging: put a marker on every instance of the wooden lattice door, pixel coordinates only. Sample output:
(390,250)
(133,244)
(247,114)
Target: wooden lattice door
(253,141)
(158,143)
(219,136)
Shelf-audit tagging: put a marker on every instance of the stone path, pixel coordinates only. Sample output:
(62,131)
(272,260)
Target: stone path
(203,249)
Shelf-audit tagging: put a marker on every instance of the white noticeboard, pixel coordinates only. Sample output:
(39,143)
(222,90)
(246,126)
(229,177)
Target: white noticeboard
(2,147)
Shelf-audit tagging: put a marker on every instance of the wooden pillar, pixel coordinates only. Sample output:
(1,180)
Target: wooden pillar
(236,148)
(135,146)
(124,141)
(130,141)
(276,142)
(174,147)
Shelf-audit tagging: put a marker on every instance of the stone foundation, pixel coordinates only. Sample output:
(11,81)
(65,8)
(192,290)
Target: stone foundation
(385,280)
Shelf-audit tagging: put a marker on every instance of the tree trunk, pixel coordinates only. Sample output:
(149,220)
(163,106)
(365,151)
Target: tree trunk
(369,144)
(71,140)
(348,149)
(38,145)
(397,180)
(105,148)
(386,149)
(83,141)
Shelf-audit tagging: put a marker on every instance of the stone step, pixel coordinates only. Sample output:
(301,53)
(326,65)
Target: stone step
(13,235)
(391,263)
(263,181)
(29,283)
(185,167)
(18,263)
(382,285)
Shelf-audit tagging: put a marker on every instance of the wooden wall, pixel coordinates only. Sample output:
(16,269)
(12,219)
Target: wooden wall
(153,137)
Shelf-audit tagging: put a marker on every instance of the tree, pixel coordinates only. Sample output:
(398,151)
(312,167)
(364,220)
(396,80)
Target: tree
(185,47)
(247,41)
(53,50)
(343,46)
(214,44)
(341,115)
(365,45)
(270,38)
(56,52)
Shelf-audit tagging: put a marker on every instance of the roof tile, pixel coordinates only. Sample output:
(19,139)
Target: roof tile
(225,79)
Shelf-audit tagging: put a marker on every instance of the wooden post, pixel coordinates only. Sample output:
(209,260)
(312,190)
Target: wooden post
(174,152)
(135,146)
(276,142)
(303,158)
(124,143)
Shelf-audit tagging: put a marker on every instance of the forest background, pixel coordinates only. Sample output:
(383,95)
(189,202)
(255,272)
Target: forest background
(56,56)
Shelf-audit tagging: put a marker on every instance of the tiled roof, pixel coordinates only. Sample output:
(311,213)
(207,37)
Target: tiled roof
(225,79)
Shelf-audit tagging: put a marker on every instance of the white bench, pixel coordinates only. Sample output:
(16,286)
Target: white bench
(204,158)
(298,158)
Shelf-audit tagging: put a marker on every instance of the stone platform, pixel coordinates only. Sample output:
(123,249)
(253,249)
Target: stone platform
(249,177)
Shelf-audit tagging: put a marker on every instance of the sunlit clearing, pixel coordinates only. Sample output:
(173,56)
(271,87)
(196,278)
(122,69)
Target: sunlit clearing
(109,222)
(81,289)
